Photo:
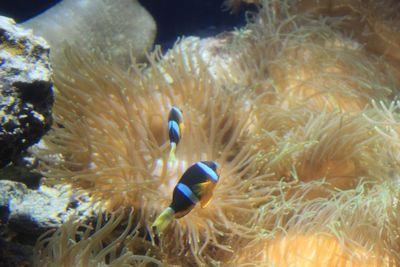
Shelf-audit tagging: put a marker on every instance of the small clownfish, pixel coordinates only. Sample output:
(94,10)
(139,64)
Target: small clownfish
(175,130)
(196,185)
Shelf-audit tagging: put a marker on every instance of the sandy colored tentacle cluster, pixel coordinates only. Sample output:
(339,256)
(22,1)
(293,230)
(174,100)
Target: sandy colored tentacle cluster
(306,133)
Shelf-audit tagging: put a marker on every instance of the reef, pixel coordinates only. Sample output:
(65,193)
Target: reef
(26,90)
(301,116)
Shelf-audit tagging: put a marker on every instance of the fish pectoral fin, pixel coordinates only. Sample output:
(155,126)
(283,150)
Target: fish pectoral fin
(201,189)
(204,191)
(206,200)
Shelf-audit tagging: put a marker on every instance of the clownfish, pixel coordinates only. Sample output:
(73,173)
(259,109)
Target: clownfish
(196,185)
(175,130)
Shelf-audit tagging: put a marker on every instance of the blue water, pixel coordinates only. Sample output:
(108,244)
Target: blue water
(174,18)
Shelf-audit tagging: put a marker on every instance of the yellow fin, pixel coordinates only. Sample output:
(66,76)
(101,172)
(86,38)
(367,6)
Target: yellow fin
(204,192)
(206,200)
(163,220)
(201,189)
(172,152)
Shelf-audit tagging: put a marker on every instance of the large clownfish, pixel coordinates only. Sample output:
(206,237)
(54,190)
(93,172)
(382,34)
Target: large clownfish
(175,129)
(196,185)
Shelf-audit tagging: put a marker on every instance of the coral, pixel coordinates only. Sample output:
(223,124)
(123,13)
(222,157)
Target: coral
(306,133)
(118,31)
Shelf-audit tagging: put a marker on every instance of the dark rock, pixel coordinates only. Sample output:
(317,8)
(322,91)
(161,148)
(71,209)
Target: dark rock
(23,169)
(12,254)
(26,90)
(30,213)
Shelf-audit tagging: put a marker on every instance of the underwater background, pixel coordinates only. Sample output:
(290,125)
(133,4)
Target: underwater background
(200,133)
(174,18)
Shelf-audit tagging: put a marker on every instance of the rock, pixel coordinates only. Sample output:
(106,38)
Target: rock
(37,211)
(11,190)
(12,254)
(26,92)
(116,30)
(23,169)
(26,214)
(32,212)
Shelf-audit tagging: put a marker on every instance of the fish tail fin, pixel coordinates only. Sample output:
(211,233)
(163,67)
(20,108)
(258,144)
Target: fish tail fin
(163,220)
(172,152)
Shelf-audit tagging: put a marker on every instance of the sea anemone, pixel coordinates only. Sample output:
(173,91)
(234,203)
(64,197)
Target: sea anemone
(374,24)
(306,134)
(111,140)
(330,156)
(78,244)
